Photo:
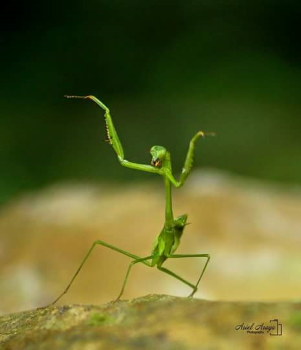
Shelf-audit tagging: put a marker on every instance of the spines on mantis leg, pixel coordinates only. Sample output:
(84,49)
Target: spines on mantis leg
(111,134)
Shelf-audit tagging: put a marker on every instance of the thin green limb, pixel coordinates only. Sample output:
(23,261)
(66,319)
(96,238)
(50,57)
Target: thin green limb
(188,161)
(98,242)
(113,139)
(142,260)
(93,98)
(163,269)
(112,136)
(202,273)
(142,167)
(179,256)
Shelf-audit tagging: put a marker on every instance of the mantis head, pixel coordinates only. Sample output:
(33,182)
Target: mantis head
(158,155)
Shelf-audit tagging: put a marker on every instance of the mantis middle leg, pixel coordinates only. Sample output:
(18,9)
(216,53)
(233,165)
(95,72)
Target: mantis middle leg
(98,242)
(142,260)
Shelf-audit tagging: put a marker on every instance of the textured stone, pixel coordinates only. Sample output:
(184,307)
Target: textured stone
(158,322)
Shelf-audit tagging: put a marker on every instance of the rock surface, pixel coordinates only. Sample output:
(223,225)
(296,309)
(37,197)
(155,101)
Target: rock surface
(155,322)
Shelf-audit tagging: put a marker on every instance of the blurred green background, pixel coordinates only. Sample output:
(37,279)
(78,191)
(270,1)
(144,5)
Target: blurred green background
(166,69)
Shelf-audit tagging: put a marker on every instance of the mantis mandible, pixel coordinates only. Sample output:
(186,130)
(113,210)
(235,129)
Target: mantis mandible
(168,240)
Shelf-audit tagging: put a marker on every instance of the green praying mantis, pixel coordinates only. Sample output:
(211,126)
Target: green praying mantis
(168,240)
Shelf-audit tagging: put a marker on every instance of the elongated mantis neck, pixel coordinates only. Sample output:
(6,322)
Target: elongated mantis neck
(168,207)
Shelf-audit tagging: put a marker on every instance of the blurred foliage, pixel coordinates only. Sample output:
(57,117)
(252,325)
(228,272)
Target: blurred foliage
(165,69)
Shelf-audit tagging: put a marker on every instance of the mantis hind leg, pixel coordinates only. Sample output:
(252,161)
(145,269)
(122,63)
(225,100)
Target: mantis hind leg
(138,260)
(179,256)
(163,269)
(98,242)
